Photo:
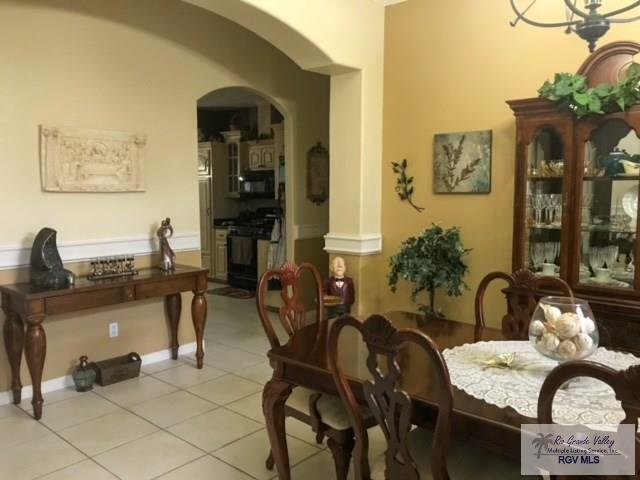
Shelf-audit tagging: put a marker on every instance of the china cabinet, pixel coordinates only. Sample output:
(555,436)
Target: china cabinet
(576,199)
(205,174)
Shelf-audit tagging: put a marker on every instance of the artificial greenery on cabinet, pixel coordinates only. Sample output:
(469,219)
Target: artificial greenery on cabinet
(432,260)
(572,92)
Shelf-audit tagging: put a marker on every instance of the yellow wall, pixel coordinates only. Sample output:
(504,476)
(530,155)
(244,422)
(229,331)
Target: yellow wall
(134,66)
(449,67)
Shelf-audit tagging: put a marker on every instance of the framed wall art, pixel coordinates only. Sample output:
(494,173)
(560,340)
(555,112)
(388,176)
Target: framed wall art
(462,162)
(85,160)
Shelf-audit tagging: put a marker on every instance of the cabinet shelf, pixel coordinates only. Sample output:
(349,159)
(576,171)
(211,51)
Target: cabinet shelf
(539,178)
(605,178)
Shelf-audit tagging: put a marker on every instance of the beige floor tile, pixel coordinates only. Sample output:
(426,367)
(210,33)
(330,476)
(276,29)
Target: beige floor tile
(301,431)
(53,397)
(250,406)
(214,429)
(29,460)
(18,427)
(67,413)
(225,389)
(203,468)
(318,467)
(260,373)
(233,360)
(188,375)
(135,391)
(156,367)
(148,457)
(85,470)
(172,408)
(104,433)
(258,444)
(11,410)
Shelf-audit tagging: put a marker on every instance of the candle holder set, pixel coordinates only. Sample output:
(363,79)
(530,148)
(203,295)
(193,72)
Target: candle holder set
(112,267)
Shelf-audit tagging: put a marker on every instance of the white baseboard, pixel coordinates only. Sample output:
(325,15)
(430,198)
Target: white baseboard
(66,381)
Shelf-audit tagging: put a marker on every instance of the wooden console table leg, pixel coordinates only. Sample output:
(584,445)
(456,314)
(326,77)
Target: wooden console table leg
(35,351)
(199,316)
(173,305)
(14,344)
(274,397)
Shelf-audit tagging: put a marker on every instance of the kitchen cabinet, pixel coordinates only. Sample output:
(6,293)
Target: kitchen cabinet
(236,153)
(261,155)
(576,200)
(205,170)
(220,247)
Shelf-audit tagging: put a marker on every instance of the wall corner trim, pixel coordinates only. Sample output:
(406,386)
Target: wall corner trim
(66,381)
(78,251)
(353,244)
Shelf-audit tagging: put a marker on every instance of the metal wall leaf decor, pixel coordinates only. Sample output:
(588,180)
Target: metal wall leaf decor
(404,184)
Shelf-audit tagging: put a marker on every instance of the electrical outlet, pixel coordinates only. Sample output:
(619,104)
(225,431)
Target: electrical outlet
(113,329)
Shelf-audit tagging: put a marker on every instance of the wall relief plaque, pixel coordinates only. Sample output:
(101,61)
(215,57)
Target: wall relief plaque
(85,160)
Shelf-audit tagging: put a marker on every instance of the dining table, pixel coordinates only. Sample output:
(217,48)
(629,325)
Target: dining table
(477,417)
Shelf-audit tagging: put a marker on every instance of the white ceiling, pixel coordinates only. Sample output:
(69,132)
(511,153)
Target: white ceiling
(230,98)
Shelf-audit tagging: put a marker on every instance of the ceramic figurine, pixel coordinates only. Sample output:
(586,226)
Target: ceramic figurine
(339,285)
(47,270)
(164,233)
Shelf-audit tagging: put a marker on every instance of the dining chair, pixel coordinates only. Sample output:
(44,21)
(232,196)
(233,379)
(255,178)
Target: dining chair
(625,385)
(524,289)
(323,413)
(410,454)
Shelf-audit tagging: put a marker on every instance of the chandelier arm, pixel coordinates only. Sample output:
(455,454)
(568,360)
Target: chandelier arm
(622,10)
(574,9)
(624,20)
(520,16)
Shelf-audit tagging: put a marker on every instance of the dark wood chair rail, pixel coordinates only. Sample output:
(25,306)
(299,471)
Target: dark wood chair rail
(303,362)
(23,303)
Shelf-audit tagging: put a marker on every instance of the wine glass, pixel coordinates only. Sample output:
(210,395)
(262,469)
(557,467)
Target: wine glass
(563,329)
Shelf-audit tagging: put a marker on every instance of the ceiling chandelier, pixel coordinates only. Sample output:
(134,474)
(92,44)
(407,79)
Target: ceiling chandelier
(589,23)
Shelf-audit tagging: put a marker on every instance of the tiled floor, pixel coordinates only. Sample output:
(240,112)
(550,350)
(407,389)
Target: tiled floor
(174,422)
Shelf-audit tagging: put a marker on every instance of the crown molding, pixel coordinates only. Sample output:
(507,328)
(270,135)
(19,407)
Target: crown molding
(386,3)
(12,257)
(353,244)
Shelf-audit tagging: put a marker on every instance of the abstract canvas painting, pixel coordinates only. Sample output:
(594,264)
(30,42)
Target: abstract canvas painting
(462,162)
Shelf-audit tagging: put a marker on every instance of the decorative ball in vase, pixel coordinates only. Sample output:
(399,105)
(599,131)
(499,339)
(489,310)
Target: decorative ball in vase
(563,328)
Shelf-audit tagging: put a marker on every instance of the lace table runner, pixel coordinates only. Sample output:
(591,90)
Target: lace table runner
(585,401)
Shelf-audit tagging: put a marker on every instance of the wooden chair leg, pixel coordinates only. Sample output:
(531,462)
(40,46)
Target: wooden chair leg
(341,450)
(270,462)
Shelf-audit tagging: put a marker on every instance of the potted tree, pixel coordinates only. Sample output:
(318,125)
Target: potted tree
(432,260)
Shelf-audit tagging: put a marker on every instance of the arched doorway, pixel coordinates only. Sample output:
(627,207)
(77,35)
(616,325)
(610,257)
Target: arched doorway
(246,211)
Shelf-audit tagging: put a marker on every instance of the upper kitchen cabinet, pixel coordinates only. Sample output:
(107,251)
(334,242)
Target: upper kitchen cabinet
(261,155)
(236,160)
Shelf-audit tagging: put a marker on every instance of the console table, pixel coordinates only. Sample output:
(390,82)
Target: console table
(23,304)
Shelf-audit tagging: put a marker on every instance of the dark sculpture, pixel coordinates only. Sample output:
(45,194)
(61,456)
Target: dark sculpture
(47,270)
(164,233)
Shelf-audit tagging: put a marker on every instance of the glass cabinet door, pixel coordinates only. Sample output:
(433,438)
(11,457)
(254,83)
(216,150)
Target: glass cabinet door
(544,197)
(609,207)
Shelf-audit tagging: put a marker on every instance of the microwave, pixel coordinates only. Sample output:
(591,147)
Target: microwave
(258,184)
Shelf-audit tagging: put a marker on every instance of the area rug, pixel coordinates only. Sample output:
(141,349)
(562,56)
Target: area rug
(233,292)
